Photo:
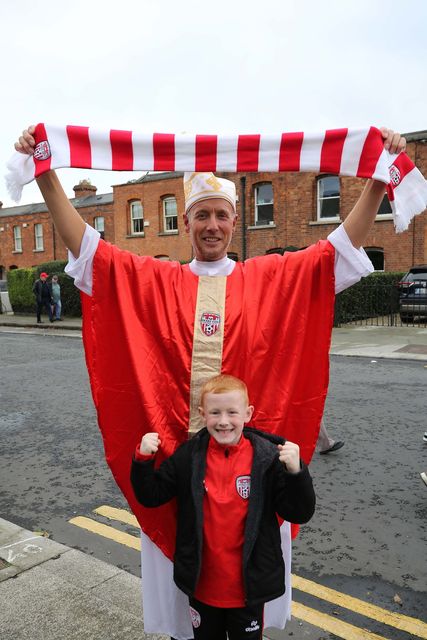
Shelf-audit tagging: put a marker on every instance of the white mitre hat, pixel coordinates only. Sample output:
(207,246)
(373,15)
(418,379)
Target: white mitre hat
(200,186)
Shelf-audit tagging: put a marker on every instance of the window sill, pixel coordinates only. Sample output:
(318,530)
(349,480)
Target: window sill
(18,251)
(136,235)
(316,223)
(261,226)
(168,233)
(384,216)
(38,250)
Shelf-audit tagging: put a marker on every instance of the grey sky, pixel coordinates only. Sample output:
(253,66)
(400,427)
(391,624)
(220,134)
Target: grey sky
(229,66)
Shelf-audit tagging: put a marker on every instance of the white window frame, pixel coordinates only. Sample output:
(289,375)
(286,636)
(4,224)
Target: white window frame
(258,222)
(321,199)
(98,225)
(38,237)
(17,238)
(134,219)
(167,217)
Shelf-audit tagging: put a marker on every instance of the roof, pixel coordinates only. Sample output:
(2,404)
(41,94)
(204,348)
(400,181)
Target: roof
(153,177)
(416,136)
(40,207)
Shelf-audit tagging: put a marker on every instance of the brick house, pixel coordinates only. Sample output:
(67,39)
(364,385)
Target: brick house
(277,212)
(28,236)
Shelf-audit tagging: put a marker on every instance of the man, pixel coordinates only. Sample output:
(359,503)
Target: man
(56,298)
(155,330)
(43,293)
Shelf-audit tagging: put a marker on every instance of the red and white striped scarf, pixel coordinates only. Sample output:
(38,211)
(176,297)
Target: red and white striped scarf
(345,152)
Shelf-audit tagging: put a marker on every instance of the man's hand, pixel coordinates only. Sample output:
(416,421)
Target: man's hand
(289,456)
(26,142)
(150,443)
(393,142)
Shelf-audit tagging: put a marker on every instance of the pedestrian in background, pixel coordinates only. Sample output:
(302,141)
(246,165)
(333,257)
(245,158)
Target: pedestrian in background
(42,291)
(325,443)
(56,298)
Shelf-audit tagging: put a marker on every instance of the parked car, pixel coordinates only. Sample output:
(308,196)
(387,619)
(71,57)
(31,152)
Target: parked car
(413,294)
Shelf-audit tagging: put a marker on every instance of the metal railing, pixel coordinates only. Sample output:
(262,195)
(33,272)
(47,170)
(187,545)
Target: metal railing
(384,304)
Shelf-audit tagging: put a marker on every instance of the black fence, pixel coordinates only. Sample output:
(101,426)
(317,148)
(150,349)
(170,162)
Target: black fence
(375,302)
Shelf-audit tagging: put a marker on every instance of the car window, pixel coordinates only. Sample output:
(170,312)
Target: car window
(412,277)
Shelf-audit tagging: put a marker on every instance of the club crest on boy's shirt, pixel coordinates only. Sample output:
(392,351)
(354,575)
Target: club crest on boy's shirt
(42,150)
(243,486)
(210,323)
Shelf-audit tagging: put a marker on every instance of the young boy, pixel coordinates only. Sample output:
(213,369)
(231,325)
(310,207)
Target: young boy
(230,483)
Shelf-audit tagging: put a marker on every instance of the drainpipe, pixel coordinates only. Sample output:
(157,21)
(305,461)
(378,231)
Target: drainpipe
(415,217)
(243,214)
(53,241)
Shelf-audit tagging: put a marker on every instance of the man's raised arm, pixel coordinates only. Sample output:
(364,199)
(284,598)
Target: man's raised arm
(68,222)
(361,218)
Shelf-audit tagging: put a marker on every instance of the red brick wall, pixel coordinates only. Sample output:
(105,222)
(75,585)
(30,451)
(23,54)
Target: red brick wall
(54,248)
(155,241)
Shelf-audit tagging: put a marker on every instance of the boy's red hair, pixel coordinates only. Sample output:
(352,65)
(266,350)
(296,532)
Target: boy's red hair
(223,384)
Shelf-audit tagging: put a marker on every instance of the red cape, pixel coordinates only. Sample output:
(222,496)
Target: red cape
(138,337)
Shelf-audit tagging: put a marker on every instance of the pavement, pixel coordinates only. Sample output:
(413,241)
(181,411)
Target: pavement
(52,592)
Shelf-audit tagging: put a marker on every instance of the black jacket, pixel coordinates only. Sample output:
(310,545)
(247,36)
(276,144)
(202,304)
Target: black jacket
(273,490)
(42,290)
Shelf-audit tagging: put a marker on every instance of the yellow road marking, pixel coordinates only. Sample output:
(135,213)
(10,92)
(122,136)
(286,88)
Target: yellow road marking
(107,532)
(332,625)
(397,620)
(117,514)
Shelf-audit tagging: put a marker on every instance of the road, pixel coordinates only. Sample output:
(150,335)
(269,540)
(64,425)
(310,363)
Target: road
(367,539)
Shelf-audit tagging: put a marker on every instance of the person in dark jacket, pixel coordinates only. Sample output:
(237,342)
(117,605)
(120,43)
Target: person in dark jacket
(231,483)
(43,293)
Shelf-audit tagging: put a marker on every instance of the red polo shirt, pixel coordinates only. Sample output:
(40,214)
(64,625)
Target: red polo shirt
(225,506)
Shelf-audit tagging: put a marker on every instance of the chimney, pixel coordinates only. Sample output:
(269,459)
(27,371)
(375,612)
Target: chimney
(84,189)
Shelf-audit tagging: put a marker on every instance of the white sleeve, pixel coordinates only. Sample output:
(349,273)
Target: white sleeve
(351,264)
(81,268)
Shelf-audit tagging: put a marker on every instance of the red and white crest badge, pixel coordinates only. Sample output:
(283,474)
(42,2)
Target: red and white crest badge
(195,618)
(42,150)
(210,323)
(394,175)
(243,486)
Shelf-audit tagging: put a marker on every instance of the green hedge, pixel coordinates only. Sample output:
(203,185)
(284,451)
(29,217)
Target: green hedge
(20,286)
(375,295)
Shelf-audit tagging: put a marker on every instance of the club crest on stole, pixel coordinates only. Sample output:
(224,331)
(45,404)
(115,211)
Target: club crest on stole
(243,486)
(210,323)
(42,150)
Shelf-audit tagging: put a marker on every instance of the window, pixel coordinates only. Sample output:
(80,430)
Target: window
(99,224)
(376,256)
(38,237)
(385,207)
(328,198)
(233,256)
(264,204)
(136,217)
(17,238)
(170,215)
